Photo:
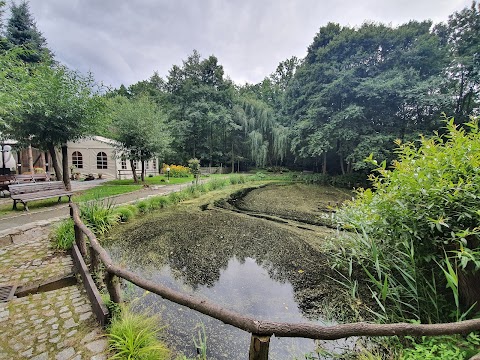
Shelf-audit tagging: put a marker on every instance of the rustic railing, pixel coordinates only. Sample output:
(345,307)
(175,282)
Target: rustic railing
(261,330)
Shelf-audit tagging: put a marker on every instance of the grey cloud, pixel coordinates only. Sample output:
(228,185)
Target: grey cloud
(126,41)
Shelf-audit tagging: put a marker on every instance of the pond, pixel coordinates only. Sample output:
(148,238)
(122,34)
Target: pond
(266,269)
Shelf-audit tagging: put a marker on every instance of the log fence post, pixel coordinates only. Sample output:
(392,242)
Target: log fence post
(94,262)
(113,287)
(79,237)
(259,345)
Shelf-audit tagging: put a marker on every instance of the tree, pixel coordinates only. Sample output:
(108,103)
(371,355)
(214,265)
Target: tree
(139,127)
(463,36)
(200,109)
(22,31)
(62,106)
(360,85)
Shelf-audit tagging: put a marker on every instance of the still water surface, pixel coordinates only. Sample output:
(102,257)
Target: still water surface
(246,265)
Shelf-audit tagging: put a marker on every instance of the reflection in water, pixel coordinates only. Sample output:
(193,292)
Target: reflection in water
(244,264)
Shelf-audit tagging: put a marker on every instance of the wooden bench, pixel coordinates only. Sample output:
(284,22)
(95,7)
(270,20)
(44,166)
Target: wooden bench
(27,178)
(37,191)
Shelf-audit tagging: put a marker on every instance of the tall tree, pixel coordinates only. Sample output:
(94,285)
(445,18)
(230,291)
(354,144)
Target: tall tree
(139,127)
(359,89)
(463,31)
(200,109)
(62,106)
(22,31)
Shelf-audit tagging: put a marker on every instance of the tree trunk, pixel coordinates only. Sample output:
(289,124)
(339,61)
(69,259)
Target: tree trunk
(134,171)
(342,165)
(43,162)
(55,164)
(468,280)
(324,164)
(30,159)
(233,160)
(66,178)
(142,175)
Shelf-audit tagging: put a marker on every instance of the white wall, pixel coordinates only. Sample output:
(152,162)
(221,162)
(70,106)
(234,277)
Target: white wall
(89,148)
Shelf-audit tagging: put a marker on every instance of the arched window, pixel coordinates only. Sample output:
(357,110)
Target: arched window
(102,160)
(77,159)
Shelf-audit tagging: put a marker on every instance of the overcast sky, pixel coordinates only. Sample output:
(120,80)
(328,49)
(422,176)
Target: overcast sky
(125,41)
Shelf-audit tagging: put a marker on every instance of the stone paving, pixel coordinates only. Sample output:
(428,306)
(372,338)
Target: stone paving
(32,260)
(57,324)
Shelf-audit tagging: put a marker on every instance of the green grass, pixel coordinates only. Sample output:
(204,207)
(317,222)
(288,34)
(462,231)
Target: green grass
(155,180)
(105,190)
(135,336)
(63,235)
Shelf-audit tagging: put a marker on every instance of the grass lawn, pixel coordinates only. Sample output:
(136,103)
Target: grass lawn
(109,188)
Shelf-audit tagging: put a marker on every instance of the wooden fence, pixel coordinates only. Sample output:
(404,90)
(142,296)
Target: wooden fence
(260,330)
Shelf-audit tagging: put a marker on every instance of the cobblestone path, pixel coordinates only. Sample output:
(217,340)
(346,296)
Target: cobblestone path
(57,324)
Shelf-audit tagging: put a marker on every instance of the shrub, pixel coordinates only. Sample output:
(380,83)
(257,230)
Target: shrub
(63,235)
(443,348)
(124,213)
(177,171)
(135,336)
(143,206)
(421,225)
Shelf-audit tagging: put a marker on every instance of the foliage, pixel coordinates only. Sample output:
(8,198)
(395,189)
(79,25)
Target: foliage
(99,216)
(360,88)
(418,229)
(125,213)
(177,171)
(463,35)
(62,106)
(194,165)
(139,126)
(22,31)
(135,336)
(443,348)
(63,235)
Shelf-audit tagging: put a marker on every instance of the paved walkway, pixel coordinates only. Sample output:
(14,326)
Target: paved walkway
(19,218)
(57,324)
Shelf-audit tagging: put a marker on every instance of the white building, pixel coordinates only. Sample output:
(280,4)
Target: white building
(96,155)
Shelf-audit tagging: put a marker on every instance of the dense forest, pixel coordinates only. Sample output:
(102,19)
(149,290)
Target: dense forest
(357,90)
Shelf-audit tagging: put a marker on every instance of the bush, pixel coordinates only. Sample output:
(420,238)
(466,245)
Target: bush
(177,171)
(419,228)
(135,336)
(124,213)
(63,235)
(443,348)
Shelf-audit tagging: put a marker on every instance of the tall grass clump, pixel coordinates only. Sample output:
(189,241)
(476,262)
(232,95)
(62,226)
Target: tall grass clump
(63,235)
(237,179)
(216,184)
(99,216)
(417,230)
(136,336)
(124,213)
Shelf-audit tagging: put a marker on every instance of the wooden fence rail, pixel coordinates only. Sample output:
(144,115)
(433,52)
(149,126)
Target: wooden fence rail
(261,330)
